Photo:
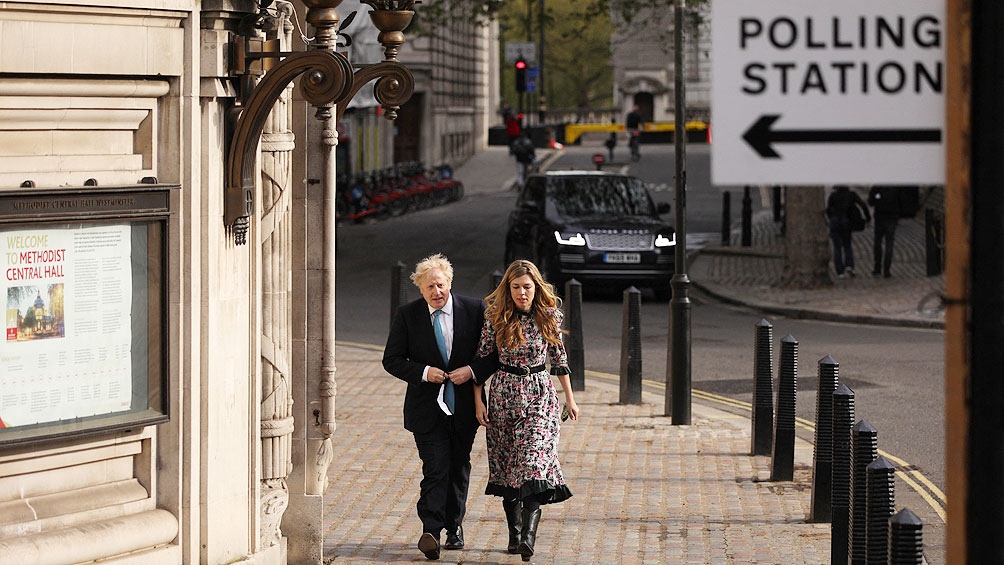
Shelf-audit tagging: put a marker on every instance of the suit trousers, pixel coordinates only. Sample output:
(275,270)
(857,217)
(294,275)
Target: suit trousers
(445,452)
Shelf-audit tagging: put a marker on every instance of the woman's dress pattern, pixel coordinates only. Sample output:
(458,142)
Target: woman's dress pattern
(524,416)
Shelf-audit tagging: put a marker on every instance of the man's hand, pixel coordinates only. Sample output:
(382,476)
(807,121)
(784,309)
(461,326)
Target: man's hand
(461,375)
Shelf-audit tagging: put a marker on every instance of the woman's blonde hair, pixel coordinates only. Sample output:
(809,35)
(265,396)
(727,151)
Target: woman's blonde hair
(437,261)
(501,311)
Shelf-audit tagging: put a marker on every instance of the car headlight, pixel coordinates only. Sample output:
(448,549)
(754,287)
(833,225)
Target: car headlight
(576,240)
(663,241)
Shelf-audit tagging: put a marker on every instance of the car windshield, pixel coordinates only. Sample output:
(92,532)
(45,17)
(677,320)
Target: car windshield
(575,197)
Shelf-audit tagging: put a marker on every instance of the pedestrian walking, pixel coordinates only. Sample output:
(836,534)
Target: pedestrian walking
(886,200)
(846,213)
(522,415)
(611,142)
(431,347)
(634,123)
(526,157)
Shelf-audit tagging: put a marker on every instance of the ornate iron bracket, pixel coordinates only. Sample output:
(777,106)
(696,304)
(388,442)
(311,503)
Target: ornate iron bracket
(328,79)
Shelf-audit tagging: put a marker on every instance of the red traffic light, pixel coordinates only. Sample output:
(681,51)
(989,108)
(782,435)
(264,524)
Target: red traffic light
(521,64)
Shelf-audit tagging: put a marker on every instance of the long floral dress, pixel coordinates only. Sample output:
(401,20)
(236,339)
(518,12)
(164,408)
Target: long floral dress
(524,414)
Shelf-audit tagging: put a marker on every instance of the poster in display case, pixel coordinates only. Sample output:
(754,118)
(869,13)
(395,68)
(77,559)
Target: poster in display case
(83,287)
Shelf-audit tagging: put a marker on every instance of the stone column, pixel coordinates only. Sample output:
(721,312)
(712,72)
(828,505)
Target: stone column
(276,397)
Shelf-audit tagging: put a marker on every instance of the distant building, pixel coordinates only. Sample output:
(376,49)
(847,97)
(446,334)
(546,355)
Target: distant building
(643,63)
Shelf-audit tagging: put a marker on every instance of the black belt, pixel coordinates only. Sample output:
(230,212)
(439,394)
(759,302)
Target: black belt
(521,370)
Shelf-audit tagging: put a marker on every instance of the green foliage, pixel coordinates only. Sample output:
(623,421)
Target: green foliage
(576,54)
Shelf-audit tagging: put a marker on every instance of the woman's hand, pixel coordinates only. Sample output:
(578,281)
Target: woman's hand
(573,408)
(481,412)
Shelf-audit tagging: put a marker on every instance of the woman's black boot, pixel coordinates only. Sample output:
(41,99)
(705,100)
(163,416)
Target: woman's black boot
(528,535)
(513,516)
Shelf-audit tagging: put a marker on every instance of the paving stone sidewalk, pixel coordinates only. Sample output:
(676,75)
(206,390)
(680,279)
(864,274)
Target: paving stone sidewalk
(645,491)
(750,276)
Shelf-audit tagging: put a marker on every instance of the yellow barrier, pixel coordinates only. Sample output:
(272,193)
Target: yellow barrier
(574,131)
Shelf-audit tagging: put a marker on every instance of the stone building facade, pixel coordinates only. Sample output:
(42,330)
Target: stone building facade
(644,74)
(116,129)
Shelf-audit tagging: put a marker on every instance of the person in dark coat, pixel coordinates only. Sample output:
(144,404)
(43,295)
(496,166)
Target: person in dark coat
(838,214)
(526,156)
(885,200)
(439,365)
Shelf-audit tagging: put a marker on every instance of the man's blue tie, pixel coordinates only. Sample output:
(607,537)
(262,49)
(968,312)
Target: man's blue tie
(448,393)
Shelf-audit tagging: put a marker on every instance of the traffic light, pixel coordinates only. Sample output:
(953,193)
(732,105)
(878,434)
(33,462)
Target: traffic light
(520,75)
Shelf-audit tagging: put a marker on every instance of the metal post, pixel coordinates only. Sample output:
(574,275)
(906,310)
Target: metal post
(762,419)
(776,202)
(397,288)
(881,504)
(864,450)
(933,241)
(574,347)
(495,280)
(747,217)
(679,329)
(783,456)
(906,539)
(631,347)
(726,218)
(822,451)
(843,418)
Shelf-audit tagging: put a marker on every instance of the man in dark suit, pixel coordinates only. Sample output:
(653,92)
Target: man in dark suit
(439,403)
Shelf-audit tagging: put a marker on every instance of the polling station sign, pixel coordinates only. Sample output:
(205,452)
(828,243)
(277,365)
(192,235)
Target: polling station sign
(814,92)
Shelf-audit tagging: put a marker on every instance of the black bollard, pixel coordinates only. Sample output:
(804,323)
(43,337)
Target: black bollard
(763,389)
(782,461)
(495,280)
(906,539)
(747,217)
(843,419)
(822,451)
(880,506)
(631,348)
(864,450)
(726,218)
(397,288)
(574,345)
(934,241)
(776,201)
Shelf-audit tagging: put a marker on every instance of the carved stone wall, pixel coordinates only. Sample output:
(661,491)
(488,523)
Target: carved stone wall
(276,341)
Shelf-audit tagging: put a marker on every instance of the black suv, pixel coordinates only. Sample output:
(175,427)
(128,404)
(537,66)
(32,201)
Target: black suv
(594,226)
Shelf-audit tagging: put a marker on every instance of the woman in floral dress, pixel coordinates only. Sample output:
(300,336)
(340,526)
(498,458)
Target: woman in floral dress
(522,416)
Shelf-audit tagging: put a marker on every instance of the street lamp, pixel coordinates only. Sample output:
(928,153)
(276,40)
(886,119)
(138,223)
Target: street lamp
(678,391)
(330,79)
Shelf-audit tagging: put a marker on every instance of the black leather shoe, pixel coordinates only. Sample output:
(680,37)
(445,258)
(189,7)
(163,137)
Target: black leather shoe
(429,545)
(454,539)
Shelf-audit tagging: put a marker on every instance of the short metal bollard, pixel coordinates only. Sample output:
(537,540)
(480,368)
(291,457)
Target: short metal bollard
(631,348)
(726,218)
(574,345)
(822,451)
(763,389)
(783,457)
(906,539)
(881,505)
(864,450)
(397,288)
(495,280)
(934,241)
(747,226)
(843,419)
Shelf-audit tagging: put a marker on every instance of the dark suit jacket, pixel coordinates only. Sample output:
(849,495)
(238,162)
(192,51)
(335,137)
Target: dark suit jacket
(411,345)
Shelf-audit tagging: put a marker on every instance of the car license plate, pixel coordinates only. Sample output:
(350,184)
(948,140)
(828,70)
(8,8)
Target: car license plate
(622,258)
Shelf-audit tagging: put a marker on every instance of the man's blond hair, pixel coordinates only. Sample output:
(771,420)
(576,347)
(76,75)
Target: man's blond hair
(437,261)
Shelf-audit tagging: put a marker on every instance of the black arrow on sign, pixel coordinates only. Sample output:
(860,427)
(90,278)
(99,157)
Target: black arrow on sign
(761,136)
